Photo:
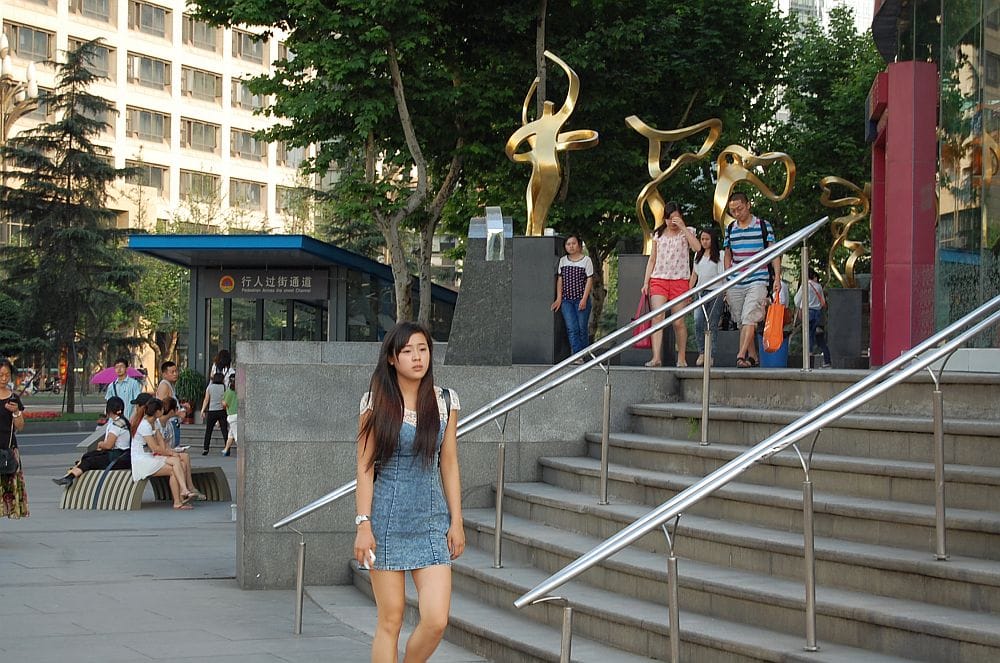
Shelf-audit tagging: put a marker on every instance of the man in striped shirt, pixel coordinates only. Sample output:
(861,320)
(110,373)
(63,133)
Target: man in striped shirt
(746,237)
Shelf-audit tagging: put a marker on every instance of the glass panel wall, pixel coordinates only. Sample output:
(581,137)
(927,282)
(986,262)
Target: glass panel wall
(968,232)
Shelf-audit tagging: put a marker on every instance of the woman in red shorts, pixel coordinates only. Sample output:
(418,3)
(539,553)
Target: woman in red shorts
(668,272)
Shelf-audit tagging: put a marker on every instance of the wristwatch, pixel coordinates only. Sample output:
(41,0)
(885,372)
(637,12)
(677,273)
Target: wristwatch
(360,518)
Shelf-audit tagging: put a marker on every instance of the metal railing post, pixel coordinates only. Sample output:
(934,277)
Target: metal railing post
(300,572)
(566,634)
(673,601)
(705,375)
(804,307)
(498,519)
(940,530)
(605,435)
(809,546)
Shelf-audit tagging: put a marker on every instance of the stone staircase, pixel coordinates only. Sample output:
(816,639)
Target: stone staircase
(881,595)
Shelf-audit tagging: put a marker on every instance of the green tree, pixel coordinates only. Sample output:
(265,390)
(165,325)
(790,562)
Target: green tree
(829,75)
(69,271)
(396,96)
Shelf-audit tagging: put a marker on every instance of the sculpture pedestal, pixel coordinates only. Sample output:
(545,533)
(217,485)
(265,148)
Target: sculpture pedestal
(481,326)
(538,334)
(847,327)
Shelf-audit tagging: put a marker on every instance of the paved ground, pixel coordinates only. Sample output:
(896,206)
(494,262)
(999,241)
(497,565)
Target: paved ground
(154,585)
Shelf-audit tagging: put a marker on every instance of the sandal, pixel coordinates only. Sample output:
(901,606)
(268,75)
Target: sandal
(742,362)
(752,362)
(652,364)
(183,506)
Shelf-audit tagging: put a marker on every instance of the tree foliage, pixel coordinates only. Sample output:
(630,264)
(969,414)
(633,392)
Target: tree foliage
(829,75)
(68,272)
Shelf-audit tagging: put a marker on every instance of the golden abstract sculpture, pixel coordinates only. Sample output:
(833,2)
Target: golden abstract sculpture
(650,194)
(858,205)
(736,164)
(544,144)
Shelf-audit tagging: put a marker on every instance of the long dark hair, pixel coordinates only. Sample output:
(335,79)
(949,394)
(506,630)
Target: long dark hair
(668,209)
(713,249)
(223,360)
(386,400)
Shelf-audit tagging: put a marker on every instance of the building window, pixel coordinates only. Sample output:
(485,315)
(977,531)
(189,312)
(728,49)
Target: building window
(200,34)
(292,157)
(201,84)
(151,175)
(248,47)
(246,195)
(149,19)
(992,68)
(245,146)
(199,186)
(42,111)
(30,43)
(148,72)
(282,199)
(244,98)
(107,117)
(103,61)
(96,9)
(993,19)
(200,136)
(284,53)
(147,125)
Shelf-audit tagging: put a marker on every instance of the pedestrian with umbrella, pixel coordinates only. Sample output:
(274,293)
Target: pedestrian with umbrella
(121,381)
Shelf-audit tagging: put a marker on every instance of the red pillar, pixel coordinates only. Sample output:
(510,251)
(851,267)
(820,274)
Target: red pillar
(904,209)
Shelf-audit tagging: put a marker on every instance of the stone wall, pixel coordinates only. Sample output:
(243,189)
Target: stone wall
(298,421)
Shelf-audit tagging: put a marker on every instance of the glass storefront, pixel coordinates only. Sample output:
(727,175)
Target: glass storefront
(968,231)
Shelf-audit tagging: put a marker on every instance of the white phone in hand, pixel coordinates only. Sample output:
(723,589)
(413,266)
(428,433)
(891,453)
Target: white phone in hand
(369,561)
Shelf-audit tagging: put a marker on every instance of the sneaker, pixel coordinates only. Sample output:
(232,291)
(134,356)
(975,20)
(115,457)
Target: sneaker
(827,365)
(700,361)
(205,452)
(225,453)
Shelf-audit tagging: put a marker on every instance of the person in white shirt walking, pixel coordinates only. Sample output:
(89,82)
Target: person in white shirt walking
(817,302)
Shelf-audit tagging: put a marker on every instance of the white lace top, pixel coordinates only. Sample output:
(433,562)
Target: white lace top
(410,416)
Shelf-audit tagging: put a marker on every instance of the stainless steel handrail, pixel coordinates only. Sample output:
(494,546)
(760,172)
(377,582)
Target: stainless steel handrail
(849,399)
(730,277)
(504,404)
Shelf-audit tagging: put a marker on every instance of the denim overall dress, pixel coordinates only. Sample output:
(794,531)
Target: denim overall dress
(410,517)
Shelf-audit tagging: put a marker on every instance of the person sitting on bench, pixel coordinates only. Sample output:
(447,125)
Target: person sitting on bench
(112,450)
(164,435)
(152,457)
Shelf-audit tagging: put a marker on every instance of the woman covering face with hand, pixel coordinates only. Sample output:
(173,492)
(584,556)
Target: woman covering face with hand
(409,510)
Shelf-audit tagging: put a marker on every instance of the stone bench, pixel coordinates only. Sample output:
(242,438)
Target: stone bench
(114,490)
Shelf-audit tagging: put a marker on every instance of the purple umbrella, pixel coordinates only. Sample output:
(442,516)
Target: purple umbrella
(108,375)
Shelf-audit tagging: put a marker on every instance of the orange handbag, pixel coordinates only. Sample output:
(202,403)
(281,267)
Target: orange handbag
(774,327)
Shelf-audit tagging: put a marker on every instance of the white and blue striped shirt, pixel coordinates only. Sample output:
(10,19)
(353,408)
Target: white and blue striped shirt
(745,243)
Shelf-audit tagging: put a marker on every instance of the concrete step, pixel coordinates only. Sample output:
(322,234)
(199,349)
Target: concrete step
(971,533)
(961,582)
(501,634)
(969,487)
(890,626)
(897,437)
(640,626)
(966,395)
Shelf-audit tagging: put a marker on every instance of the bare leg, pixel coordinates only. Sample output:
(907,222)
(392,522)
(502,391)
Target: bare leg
(178,469)
(748,344)
(175,487)
(657,301)
(186,464)
(390,597)
(434,599)
(681,336)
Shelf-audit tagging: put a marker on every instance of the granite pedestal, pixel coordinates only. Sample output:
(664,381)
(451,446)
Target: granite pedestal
(538,335)
(846,327)
(481,327)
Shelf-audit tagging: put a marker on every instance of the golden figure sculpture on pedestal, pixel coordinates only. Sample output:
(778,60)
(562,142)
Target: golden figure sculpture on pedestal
(650,194)
(545,142)
(736,164)
(858,205)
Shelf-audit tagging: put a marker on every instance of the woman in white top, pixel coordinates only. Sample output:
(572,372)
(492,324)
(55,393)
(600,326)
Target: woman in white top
(668,272)
(708,264)
(152,458)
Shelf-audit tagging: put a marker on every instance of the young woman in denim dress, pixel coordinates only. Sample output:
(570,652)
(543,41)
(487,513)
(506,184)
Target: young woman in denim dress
(409,510)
